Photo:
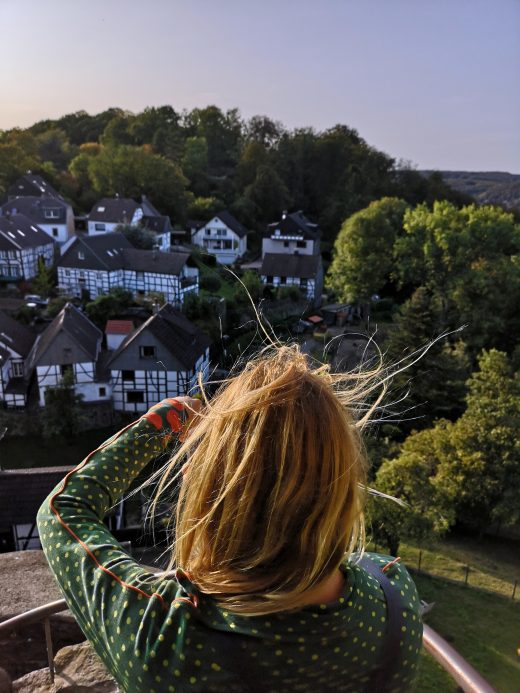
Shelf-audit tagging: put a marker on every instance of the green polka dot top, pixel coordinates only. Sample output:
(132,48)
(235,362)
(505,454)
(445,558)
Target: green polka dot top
(164,635)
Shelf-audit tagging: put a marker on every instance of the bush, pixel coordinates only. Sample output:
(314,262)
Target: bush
(289,292)
(210,282)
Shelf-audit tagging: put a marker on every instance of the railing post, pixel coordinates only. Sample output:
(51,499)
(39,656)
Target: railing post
(419,564)
(50,653)
(466,568)
(514,590)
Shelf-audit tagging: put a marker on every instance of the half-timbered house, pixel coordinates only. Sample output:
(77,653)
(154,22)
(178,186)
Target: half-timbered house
(22,244)
(16,342)
(71,344)
(97,264)
(291,255)
(160,359)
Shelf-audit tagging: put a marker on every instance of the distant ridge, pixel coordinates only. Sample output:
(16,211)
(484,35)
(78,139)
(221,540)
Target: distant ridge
(486,187)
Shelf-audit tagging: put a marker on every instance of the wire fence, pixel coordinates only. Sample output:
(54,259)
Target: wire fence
(441,566)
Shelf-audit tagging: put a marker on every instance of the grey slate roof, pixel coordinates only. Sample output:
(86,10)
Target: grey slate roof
(18,232)
(35,208)
(159,224)
(114,210)
(76,326)
(153,261)
(285,265)
(184,340)
(16,336)
(229,220)
(112,251)
(295,224)
(103,252)
(22,491)
(31,184)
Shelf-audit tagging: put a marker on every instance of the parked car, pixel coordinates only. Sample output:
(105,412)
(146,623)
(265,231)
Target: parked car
(35,301)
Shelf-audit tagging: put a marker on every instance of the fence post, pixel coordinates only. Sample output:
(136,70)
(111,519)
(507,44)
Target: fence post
(514,590)
(50,653)
(466,567)
(419,564)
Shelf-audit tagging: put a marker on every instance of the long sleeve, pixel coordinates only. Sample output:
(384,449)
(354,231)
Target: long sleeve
(121,607)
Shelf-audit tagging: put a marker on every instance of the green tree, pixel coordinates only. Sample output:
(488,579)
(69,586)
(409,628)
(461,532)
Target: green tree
(108,306)
(268,193)
(469,259)
(62,416)
(195,164)
(45,281)
(429,509)
(480,464)
(362,260)
(139,236)
(132,171)
(432,380)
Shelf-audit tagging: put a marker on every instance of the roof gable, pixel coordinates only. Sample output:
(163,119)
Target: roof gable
(104,252)
(41,210)
(15,336)
(31,184)
(184,340)
(77,327)
(295,224)
(18,232)
(285,265)
(114,210)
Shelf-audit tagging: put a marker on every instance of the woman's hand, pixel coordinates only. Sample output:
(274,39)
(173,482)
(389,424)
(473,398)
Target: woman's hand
(165,415)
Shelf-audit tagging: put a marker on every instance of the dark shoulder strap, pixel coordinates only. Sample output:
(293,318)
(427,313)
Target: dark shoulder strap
(381,679)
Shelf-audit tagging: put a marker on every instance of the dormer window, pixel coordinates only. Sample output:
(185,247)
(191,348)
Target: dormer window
(51,213)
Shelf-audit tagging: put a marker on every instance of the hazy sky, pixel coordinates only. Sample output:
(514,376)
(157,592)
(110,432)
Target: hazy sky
(433,81)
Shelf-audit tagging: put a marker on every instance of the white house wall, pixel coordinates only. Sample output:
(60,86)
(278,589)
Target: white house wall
(218,234)
(278,246)
(84,381)
(109,226)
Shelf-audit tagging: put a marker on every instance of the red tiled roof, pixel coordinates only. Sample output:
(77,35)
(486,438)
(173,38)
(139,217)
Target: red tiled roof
(315,319)
(119,327)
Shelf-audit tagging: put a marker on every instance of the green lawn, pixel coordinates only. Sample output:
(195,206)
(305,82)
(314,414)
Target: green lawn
(494,564)
(484,628)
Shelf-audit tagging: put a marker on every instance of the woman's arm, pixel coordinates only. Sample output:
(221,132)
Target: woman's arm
(120,606)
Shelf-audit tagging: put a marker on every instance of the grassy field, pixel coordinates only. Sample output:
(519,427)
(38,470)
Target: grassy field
(484,628)
(494,564)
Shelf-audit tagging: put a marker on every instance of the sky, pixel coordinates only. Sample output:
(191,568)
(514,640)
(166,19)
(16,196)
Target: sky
(433,82)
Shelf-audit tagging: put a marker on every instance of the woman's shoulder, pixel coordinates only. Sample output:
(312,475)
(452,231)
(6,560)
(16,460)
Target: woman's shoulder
(393,569)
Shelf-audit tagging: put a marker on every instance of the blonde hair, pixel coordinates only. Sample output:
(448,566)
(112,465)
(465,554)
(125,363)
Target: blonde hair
(274,492)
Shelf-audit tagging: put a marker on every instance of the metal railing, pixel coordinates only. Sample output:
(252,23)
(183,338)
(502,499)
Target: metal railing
(468,678)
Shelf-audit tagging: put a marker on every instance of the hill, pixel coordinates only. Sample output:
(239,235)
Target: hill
(486,187)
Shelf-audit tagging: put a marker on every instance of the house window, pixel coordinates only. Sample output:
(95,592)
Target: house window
(67,353)
(135,397)
(81,255)
(147,352)
(99,227)
(301,244)
(283,280)
(66,368)
(102,392)
(51,213)
(54,232)
(286,244)
(17,369)
(303,283)
(208,232)
(269,279)
(67,273)
(227,245)
(128,375)
(221,232)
